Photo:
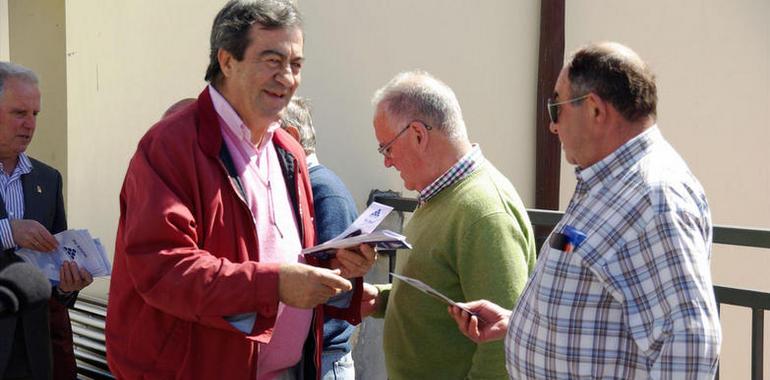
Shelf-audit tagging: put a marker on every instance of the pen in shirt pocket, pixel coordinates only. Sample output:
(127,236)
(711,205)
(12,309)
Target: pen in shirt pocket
(568,240)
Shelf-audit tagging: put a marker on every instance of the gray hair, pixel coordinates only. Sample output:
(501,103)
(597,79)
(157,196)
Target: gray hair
(297,114)
(417,95)
(12,70)
(231,27)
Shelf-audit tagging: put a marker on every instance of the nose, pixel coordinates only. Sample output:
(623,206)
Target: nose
(286,76)
(30,122)
(387,161)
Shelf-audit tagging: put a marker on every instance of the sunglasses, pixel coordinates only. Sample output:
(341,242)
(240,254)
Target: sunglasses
(553,107)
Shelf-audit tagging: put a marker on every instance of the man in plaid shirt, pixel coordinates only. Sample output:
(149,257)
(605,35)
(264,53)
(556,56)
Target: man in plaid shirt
(622,288)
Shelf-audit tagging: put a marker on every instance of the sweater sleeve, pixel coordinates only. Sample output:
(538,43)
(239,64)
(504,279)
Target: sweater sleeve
(493,265)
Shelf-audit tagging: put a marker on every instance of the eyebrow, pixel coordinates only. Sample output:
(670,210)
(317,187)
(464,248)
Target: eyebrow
(272,52)
(555,95)
(269,52)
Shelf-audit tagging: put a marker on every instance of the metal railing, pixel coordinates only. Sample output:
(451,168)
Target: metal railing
(758,302)
(89,313)
(87,319)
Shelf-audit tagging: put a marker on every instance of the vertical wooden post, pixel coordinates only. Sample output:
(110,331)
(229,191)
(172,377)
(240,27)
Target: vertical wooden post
(548,150)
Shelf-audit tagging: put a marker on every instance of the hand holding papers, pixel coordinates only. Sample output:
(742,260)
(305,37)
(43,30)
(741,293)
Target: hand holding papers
(423,287)
(362,232)
(74,245)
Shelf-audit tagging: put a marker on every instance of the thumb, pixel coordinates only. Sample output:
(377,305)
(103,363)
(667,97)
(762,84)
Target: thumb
(332,279)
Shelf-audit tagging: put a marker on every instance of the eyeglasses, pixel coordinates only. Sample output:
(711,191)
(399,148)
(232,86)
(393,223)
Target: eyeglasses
(553,108)
(384,149)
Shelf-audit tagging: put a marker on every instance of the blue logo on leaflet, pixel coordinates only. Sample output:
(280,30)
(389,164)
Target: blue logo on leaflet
(70,252)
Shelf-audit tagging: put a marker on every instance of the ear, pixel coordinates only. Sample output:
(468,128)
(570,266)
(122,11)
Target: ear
(598,108)
(293,131)
(225,61)
(421,134)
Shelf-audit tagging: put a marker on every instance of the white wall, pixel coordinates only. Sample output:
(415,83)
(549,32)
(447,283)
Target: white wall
(712,60)
(486,51)
(4,53)
(126,63)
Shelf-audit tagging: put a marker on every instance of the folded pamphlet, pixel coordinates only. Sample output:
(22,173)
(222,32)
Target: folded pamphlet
(74,245)
(362,232)
(425,288)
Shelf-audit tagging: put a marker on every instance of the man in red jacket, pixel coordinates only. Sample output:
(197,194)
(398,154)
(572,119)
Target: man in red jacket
(208,281)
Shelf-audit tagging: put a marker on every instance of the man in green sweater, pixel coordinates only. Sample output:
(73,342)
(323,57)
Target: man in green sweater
(471,236)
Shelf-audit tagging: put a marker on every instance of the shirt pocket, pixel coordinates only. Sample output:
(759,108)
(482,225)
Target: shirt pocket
(565,285)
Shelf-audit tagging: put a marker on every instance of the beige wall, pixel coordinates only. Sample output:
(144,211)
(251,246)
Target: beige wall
(712,60)
(36,40)
(4,53)
(487,53)
(126,63)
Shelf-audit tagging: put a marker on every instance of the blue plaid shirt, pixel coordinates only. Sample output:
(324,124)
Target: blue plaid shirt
(635,299)
(461,169)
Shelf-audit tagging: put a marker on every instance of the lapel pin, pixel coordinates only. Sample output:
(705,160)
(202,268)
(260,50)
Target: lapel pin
(39,190)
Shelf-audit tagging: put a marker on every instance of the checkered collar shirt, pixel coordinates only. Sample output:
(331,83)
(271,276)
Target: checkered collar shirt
(461,169)
(634,300)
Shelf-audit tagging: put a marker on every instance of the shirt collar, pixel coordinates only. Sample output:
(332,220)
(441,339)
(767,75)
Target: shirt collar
(618,162)
(312,160)
(234,123)
(461,169)
(23,166)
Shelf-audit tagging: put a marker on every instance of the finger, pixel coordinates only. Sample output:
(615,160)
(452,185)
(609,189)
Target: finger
(354,264)
(473,328)
(46,240)
(86,277)
(66,274)
(332,279)
(460,318)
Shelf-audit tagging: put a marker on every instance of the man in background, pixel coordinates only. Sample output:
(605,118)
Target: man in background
(471,237)
(622,287)
(31,211)
(335,210)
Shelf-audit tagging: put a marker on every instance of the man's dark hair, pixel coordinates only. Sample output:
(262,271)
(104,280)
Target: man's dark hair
(617,75)
(231,27)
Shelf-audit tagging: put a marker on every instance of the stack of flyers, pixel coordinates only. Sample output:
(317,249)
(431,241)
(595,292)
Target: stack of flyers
(362,232)
(74,245)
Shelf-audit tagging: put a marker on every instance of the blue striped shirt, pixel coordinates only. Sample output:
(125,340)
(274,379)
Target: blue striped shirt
(13,195)
(635,299)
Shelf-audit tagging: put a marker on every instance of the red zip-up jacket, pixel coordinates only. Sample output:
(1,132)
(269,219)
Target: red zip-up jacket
(186,255)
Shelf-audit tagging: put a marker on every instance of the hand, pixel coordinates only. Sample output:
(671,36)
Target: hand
(370,300)
(494,326)
(354,263)
(303,286)
(30,234)
(72,278)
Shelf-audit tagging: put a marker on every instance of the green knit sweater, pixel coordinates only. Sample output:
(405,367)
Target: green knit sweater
(471,241)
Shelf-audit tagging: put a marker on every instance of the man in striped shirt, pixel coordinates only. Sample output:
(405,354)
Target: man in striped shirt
(31,210)
(622,288)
